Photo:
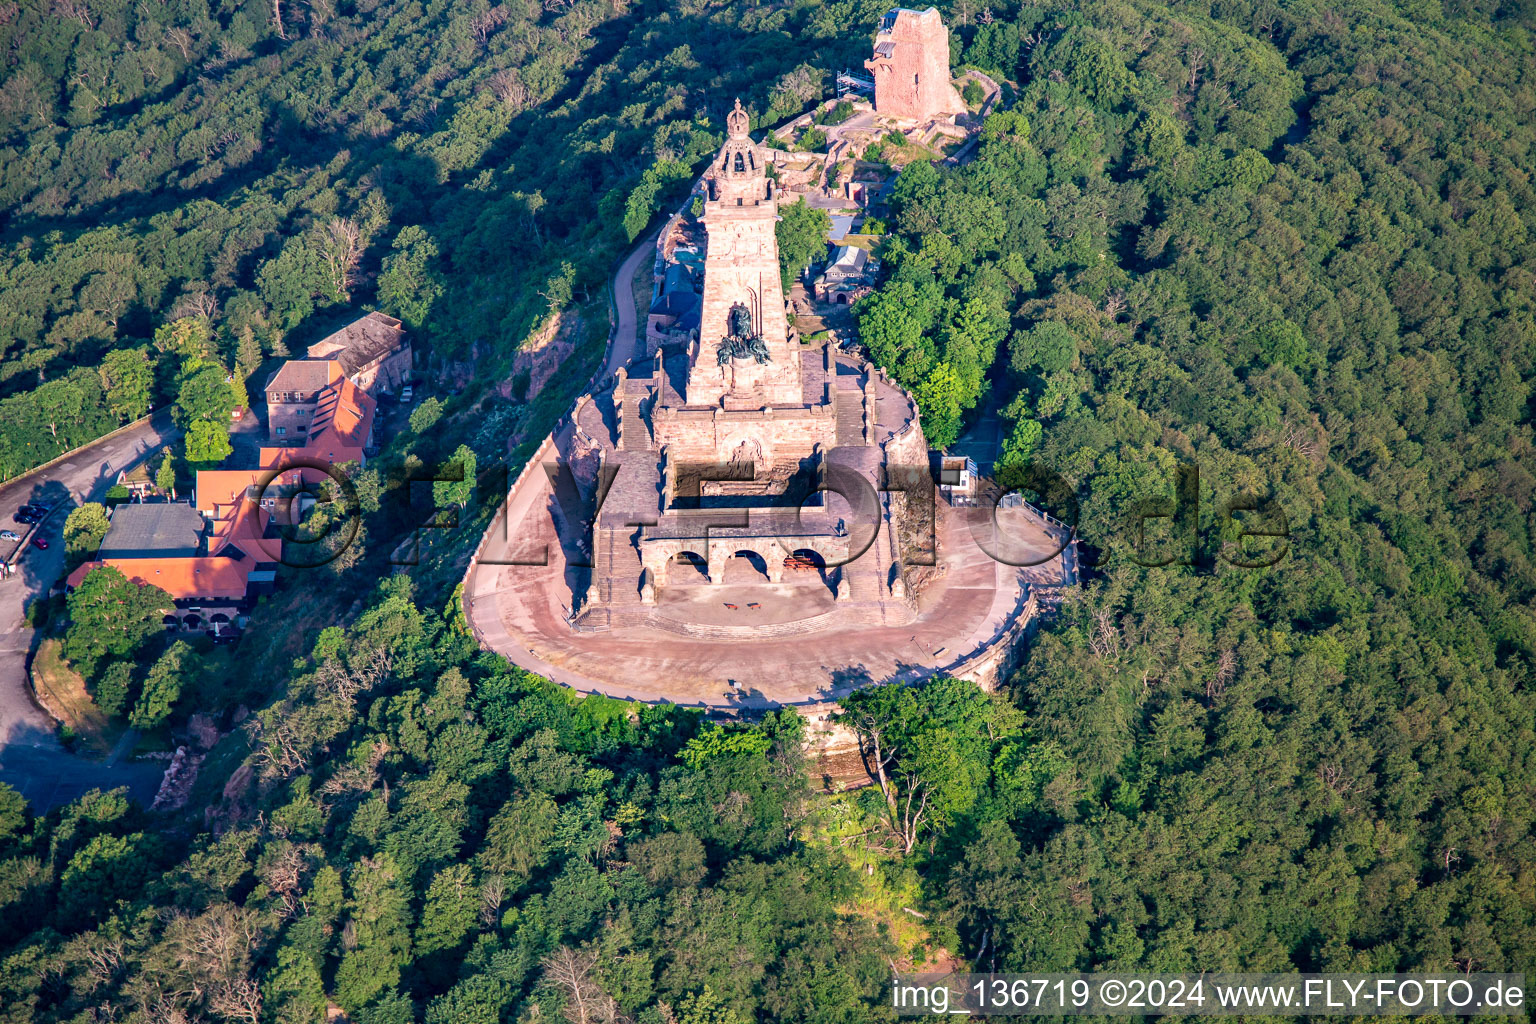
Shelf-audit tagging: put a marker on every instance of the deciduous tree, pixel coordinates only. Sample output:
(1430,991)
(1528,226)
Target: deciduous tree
(163,685)
(111,616)
(127,377)
(84,528)
(208,442)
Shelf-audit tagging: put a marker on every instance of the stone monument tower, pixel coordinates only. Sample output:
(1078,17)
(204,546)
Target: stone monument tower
(743,357)
(911,67)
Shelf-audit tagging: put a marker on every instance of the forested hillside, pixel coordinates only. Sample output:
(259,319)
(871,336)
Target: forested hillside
(1293,246)
(465,166)
(1290,244)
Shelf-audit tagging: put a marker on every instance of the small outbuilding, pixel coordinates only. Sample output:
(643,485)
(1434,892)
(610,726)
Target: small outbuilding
(849,276)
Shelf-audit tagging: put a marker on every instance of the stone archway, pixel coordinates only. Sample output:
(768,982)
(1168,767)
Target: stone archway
(664,559)
(684,564)
(752,558)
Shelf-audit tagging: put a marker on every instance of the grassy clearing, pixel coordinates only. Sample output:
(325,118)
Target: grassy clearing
(890,895)
(909,151)
(641,284)
(62,693)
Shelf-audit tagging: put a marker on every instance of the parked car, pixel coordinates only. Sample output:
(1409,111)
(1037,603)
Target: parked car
(26,517)
(407,393)
(39,543)
(8,535)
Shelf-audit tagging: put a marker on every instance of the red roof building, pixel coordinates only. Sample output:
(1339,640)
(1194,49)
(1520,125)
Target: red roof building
(233,564)
(312,405)
(215,558)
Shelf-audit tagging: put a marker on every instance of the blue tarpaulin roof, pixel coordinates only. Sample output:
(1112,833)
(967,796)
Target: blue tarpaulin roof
(679,304)
(678,278)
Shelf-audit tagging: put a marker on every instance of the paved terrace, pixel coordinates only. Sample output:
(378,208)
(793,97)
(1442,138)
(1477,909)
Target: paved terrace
(751,658)
(521,611)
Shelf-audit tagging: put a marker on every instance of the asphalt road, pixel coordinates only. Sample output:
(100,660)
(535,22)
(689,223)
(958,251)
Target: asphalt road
(622,342)
(31,759)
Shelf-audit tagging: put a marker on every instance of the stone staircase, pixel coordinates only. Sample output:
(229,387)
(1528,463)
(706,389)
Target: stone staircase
(850,418)
(634,432)
(593,620)
(618,560)
(864,585)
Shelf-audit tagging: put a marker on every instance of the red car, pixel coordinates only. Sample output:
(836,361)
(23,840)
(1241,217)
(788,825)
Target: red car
(39,543)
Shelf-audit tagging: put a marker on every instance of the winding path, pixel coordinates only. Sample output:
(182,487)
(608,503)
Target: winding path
(625,334)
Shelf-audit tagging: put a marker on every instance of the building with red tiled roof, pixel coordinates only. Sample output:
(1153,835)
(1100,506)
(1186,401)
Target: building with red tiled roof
(213,573)
(293,394)
(342,429)
(311,404)
(215,556)
(285,495)
(200,580)
(218,491)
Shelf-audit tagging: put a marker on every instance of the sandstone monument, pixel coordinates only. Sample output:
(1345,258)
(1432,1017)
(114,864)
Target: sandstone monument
(911,67)
(746,446)
(744,519)
(741,288)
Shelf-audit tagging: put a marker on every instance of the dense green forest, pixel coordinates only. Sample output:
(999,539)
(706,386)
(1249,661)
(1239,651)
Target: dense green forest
(1293,246)
(464,166)
(1290,244)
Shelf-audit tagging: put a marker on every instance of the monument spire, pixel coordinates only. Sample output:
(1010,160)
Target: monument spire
(743,354)
(737,123)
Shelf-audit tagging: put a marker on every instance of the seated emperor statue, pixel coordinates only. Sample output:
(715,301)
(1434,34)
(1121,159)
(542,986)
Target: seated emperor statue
(742,341)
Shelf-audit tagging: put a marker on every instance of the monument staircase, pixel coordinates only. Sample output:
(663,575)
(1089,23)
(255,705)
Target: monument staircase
(850,417)
(634,431)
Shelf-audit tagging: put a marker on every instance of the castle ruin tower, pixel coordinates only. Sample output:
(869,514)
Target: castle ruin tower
(743,358)
(911,67)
